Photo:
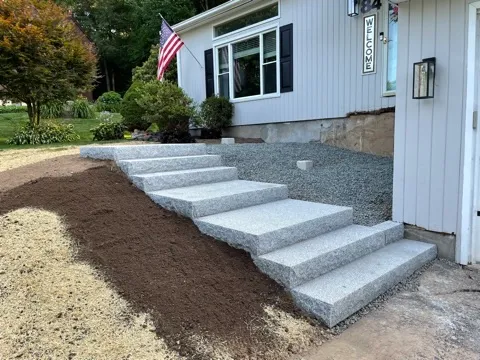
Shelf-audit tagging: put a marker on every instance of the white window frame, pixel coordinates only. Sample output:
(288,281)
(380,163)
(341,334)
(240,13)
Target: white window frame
(264,4)
(257,31)
(386,93)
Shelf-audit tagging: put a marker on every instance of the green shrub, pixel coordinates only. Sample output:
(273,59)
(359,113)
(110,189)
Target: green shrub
(165,104)
(52,110)
(132,112)
(81,109)
(108,129)
(216,113)
(9,109)
(109,101)
(45,133)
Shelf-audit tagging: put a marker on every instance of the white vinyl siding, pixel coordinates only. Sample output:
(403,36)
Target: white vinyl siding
(327,58)
(428,133)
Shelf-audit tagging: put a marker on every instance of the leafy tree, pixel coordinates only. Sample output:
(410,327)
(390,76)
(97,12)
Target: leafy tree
(148,71)
(124,30)
(43,56)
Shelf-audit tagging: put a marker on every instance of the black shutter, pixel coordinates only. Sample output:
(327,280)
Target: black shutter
(209,75)
(286,58)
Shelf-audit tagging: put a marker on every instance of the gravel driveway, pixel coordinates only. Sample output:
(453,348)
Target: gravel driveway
(339,177)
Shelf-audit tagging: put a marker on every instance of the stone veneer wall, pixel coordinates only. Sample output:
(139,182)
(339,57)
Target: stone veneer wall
(369,133)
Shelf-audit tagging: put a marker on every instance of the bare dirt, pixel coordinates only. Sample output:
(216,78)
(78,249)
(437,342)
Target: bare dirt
(159,262)
(54,167)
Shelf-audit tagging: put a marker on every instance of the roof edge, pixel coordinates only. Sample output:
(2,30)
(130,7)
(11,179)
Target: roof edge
(208,15)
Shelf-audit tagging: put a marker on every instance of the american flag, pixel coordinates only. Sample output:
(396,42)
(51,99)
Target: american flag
(170,44)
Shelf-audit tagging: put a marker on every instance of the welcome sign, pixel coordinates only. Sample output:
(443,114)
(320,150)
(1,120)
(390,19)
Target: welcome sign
(369,44)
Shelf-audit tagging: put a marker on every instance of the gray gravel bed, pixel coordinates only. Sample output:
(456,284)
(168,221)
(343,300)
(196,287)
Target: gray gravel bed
(339,177)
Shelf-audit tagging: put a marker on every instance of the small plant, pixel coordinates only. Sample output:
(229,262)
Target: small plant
(52,110)
(216,114)
(45,133)
(10,109)
(132,112)
(108,129)
(109,101)
(81,109)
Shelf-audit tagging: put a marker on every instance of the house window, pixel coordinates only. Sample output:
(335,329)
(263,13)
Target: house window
(247,20)
(253,65)
(391,49)
(223,72)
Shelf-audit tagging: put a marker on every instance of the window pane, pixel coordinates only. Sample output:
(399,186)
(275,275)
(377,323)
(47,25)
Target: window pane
(270,47)
(246,55)
(223,60)
(247,20)
(270,78)
(392,51)
(223,86)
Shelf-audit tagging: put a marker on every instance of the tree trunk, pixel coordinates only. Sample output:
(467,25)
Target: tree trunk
(113,80)
(107,77)
(38,113)
(33,110)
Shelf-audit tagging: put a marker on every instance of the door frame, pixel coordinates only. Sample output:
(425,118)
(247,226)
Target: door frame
(467,217)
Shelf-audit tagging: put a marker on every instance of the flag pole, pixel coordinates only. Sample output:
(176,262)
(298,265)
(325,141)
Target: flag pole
(184,44)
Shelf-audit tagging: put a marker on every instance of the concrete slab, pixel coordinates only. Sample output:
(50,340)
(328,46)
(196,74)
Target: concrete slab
(433,317)
(228,141)
(148,166)
(264,228)
(183,178)
(307,260)
(305,164)
(209,199)
(340,293)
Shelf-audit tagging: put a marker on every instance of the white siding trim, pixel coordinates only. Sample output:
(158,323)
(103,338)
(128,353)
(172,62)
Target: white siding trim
(465,232)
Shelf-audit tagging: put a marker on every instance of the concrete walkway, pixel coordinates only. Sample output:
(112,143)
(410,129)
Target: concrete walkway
(439,321)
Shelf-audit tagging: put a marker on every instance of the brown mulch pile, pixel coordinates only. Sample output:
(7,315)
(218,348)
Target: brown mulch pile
(156,260)
(56,167)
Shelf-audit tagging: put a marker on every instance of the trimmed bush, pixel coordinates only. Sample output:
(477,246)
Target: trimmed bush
(81,109)
(108,130)
(109,101)
(132,112)
(45,133)
(216,114)
(165,104)
(52,110)
(10,109)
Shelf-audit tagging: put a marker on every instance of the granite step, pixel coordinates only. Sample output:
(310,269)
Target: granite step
(183,178)
(264,228)
(130,152)
(209,199)
(296,264)
(340,293)
(149,166)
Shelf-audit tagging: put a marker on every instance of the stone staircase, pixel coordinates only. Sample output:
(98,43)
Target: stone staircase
(331,267)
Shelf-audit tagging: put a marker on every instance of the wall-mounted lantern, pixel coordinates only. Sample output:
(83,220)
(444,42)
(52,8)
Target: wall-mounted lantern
(352,8)
(424,79)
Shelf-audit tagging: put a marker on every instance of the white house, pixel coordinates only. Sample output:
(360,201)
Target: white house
(298,69)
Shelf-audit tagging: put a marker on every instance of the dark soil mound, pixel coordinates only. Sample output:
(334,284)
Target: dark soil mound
(158,261)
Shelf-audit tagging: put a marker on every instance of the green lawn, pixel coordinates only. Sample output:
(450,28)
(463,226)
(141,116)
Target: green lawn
(9,123)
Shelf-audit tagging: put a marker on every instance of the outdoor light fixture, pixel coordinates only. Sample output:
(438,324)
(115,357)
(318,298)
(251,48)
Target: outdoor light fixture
(424,79)
(352,8)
